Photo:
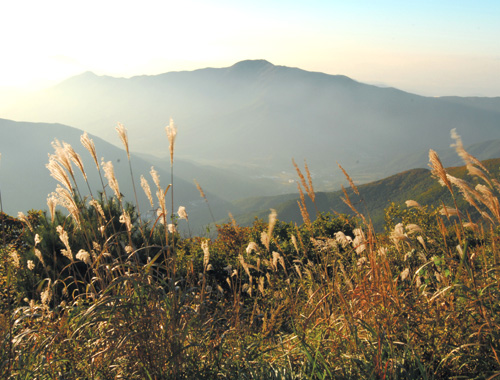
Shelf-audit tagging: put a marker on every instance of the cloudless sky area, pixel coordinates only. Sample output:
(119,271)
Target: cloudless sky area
(432,48)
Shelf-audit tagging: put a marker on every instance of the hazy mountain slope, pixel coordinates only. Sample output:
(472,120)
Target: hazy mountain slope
(483,151)
(416,184)
(227,184)
(254,117)
(25,182)
(491,104)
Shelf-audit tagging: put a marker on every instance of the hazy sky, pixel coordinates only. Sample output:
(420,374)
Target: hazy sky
(437,47)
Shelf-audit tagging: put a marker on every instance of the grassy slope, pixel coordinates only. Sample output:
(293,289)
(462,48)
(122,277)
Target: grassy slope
(416,184)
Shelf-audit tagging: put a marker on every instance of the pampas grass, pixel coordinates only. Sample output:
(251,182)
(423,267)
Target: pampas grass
(327,299)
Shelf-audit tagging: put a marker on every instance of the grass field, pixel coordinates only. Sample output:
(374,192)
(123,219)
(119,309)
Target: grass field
(99,292)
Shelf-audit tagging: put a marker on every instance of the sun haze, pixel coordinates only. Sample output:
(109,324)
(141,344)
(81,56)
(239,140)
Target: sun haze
(431,48)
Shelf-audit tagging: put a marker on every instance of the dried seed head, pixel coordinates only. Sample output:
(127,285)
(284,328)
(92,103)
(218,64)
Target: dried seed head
(65,199)
(206,253)
(468,158)
(30,264)
(25,220)
(75,157)
(349,179)
(294,242)
(51,204)
(98,208)
(156,177)
(88,144)
(448,211)
(171,130)
(438,170)
(62,156)
(411,228)
(404,274)
(39,256)
(264,239)
(122,133)
(252,246)
(84,256)
(109,173)
(412,203)
(63,235)
(202,194)
(272,221)
(58,173)
(147,190)
(15,258)
(46,295)
(125,219)
(182,213)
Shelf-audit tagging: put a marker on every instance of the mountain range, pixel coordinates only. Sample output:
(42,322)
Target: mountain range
(253,117)
(238,129)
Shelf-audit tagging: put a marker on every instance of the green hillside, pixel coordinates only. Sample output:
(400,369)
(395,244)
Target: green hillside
(375,197)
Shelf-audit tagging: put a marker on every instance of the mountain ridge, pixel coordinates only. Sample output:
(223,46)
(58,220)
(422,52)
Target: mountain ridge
(253,117)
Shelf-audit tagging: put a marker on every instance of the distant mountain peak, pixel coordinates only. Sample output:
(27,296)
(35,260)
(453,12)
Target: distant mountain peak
(251,65)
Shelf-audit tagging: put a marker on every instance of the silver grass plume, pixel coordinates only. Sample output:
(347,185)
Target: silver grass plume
(147,190)
(75,157)
(171,130)
(438,170)
(88,144)
(109,173)
(122,132)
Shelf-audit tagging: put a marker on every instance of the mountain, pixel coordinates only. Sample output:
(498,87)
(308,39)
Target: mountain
(253,117)
(375,197)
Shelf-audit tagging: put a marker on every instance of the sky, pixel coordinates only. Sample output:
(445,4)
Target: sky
(431,48)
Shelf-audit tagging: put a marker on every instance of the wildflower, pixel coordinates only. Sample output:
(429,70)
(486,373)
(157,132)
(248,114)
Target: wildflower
(31,265)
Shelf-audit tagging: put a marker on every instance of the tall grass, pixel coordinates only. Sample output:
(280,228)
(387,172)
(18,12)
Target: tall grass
(105,294)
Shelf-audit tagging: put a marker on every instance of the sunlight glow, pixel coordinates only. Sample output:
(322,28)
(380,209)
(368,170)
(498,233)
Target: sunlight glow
(46,42)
